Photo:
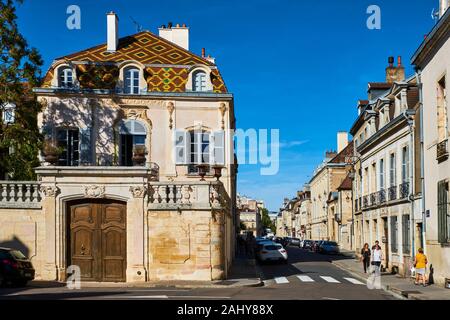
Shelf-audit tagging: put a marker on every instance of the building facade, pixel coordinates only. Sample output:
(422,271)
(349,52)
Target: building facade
(249,211)
(387,188)
(433,71)
(137,138)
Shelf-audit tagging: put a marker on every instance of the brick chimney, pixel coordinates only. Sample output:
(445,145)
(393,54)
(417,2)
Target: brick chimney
(395,73)
(342,140)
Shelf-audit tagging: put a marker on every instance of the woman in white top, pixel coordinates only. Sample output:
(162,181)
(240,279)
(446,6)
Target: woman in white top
(377,255)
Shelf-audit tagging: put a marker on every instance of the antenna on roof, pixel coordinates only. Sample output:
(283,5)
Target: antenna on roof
(137,24)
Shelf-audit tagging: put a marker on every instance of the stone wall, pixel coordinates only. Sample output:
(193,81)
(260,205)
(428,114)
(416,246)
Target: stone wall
(24,229)
(186,246)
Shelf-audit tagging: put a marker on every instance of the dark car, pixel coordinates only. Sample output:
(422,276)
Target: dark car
(307,244)
(295,242)
(15,268)
(329,247)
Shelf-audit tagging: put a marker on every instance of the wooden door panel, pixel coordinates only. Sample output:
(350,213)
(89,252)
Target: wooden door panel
(98,240)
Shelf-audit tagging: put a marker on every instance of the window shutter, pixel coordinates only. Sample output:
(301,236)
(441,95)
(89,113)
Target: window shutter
(218,147)
(442,212)
(182,146)
(85,146)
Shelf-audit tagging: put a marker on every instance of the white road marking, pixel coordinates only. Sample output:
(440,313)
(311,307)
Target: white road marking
(305,279)
(281,280)
(329,279)
(326,298)
(354,281)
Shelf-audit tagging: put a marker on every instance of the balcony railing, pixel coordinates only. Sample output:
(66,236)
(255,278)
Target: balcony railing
(392,193)
(442,151)
(374,199)
(365,201)
(198,195)
(404,190)
(20,194)
(381,196)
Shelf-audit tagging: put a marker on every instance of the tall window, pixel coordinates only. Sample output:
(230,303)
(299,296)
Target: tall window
(406,227)
(392,171)
(443,212)
(199,81)
(394,233)
(132,135)
(68,140)
(199,149)
(405,164)
(66,78)
(442,117)
(131,76)
(381,170)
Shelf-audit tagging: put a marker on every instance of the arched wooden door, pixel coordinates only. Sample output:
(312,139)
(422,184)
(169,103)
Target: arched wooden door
(97,239)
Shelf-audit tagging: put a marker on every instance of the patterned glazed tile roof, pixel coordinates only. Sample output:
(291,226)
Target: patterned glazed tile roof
(166,64)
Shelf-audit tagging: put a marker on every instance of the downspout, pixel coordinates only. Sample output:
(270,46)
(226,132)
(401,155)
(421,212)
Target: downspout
(422,160)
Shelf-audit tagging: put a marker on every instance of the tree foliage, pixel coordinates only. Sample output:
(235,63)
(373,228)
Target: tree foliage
(19,74)
(266,222)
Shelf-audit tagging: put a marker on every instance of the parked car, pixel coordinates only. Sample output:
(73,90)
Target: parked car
(15,268)
(272,252)
(295,242)
(307,244)
(329,247)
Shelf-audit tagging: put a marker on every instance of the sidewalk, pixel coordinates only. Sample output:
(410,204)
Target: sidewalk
(244,273)
(402,287)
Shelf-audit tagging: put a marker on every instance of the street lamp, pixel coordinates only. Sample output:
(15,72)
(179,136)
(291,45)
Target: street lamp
(8,113)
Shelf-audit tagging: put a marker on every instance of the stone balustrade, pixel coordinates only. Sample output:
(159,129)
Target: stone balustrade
(187,195)
(20,194)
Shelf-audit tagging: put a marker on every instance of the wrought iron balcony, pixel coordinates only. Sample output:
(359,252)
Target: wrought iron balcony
(392,193)
(381,196)
(365,203)
(442,151)
(404,190)
(374,199)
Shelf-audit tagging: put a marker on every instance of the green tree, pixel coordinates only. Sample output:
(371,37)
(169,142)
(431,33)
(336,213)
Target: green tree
(20,65)
(267,223)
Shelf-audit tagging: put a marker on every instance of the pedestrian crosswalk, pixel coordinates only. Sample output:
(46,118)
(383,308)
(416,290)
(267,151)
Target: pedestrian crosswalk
(313,279)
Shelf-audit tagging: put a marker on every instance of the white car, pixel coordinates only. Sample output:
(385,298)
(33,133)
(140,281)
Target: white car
(272,252)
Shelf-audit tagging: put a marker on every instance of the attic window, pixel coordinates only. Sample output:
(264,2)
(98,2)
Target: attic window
(66,77)
(199,81)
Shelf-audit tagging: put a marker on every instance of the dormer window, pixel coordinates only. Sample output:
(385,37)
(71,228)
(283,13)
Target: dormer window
(66,77)
(199,81)
(131,76)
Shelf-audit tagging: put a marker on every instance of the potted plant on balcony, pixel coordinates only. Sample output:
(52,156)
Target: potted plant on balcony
(139,154)
(51,151)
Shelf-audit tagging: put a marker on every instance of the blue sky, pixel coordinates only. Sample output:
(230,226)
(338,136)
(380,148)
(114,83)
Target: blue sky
(294,65)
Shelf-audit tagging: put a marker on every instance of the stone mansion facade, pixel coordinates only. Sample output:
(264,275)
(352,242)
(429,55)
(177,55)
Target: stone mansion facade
(138,181)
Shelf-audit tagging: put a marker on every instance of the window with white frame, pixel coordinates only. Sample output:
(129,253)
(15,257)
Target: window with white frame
(442,117)
(199,81)
(405,164)
(381,171)
(131,80)
(66,77)
(392,170)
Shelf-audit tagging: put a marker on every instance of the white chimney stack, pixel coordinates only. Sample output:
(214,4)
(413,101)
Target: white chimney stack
(342,140)
(178,34)
(113,32)
(444,4)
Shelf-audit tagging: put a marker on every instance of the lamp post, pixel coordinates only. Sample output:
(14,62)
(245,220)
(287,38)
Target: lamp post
(8,113)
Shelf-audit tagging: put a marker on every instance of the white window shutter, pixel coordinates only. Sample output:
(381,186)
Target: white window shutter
(217,149)
(182,147)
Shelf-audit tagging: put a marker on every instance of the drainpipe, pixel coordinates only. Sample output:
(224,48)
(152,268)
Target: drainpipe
(411,178)
(422,173)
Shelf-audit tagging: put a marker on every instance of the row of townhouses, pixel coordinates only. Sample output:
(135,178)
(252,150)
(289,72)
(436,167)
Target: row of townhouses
(391,182)
(137,181)
(249,215)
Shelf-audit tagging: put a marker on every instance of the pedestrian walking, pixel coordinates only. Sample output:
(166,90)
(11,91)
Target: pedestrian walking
(420,263)
(377,256)
(365,257)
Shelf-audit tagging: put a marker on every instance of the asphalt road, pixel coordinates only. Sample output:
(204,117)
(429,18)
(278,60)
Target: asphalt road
(307,276)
